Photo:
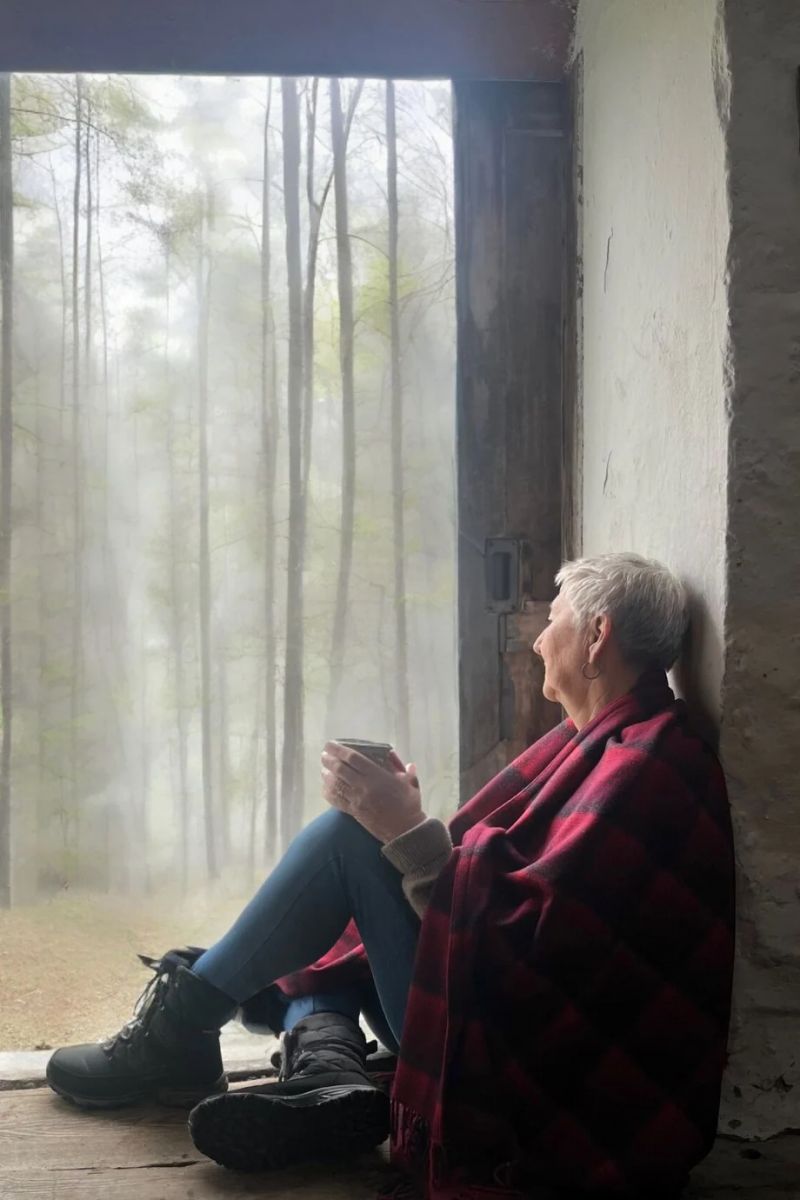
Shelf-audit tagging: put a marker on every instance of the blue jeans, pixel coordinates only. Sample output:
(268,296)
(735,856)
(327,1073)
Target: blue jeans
(332,871)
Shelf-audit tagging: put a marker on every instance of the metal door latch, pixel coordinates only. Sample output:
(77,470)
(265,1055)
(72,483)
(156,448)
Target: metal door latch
(505,560)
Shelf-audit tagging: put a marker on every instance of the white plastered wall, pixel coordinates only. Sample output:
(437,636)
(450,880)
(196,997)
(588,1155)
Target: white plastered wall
(654,238)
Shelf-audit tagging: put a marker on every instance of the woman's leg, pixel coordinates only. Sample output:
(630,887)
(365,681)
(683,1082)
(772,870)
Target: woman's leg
(325,1102)
(352,1003)
(332,871)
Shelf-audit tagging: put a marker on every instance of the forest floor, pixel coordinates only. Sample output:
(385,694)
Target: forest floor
(68,966)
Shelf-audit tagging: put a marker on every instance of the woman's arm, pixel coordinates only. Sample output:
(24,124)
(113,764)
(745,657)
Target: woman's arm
(419,856)
(386,800)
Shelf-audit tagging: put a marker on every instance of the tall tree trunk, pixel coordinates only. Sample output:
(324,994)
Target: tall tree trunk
(316,208)
(76,665)
(312,249)
(269,443)
(6,465)
(87,276)
(122,793)
(62,386)
(42,581)
(203,310)
(86,699)
(176,554)
(255,741)
(398,515)
(224,765)
(346,340)
(104,327)
(293,750)
(62,375)
(142,806)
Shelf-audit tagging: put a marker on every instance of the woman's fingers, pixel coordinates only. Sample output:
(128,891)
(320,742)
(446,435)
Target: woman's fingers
(396,763)
(333,791)
(344,754)
(385,802)
(341,768)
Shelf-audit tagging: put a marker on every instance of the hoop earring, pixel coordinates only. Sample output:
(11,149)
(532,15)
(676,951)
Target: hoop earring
(590,677)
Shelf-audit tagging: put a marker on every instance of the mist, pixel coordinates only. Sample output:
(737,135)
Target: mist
(233,517)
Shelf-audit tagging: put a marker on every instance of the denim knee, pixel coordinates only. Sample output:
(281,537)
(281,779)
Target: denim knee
(344,833)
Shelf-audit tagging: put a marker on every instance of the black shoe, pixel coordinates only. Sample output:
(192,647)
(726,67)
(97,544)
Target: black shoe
(324,1104)
(169,1052)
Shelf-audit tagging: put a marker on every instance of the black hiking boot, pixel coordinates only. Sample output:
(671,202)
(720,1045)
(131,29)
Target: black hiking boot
(169,1052)
(324,1104)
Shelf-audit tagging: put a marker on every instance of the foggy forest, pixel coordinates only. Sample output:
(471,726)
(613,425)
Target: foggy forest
(227,515)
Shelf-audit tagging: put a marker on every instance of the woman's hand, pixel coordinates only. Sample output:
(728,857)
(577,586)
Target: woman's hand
(386,800)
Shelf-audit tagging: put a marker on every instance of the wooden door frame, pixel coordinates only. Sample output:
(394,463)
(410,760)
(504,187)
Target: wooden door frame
(419,39)
(515,356)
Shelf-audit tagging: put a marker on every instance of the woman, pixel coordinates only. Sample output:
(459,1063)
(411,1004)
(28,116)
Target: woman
(554,967)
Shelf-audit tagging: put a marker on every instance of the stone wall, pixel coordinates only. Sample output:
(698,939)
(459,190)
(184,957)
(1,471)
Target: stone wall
(690,220)
(760,740)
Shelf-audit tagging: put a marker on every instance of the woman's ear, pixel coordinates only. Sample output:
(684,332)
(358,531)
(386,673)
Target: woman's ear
(599,633)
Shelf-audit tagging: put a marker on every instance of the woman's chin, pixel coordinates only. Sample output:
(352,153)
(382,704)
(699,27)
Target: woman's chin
(549,693)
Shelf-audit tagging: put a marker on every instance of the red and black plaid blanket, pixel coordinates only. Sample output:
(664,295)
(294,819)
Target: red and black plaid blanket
(571,995)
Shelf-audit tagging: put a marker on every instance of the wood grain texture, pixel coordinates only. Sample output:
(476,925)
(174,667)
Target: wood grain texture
(50,1149)
(202,1181)
(78,1140)
(510,155)
(472,39)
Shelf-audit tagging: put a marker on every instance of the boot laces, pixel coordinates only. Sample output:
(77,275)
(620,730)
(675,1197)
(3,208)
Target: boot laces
(147,1003)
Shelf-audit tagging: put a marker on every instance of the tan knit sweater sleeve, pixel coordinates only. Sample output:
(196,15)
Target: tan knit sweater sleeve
(419,856)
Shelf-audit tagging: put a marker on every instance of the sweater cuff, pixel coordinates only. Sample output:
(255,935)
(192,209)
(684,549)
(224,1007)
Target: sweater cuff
(423,845)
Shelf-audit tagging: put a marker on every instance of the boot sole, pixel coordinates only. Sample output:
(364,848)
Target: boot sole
(258,1132)
(169,1097)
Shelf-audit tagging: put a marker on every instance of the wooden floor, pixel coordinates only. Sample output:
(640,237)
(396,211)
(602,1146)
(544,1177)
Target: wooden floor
(50,1150)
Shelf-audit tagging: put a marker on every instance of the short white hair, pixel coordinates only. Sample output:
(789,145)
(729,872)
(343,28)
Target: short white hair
(645,600)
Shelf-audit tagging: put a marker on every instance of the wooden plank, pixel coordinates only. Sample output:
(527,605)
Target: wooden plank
(572,421)
(245,1055)
(38,1126)
(464,39)
(81,1139)
(202,1181)
(510,154)
(480,426)
(50,1150)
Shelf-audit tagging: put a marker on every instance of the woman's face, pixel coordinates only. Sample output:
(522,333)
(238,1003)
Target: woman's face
(563,650)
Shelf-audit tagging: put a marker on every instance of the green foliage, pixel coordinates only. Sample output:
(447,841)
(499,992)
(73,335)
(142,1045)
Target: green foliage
(123,109)
(37,108)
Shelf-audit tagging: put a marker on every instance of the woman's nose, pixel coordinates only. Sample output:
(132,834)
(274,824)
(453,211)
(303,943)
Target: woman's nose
(536,647)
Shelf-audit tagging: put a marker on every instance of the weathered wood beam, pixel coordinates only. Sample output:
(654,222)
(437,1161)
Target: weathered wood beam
(462,39)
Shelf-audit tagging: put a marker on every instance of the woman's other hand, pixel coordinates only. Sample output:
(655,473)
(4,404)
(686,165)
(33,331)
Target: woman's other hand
(386,800)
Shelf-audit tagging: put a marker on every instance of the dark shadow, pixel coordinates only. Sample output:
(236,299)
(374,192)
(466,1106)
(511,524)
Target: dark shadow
(697,675)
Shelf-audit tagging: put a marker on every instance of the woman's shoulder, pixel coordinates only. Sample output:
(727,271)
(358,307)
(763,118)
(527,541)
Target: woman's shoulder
(671,750)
